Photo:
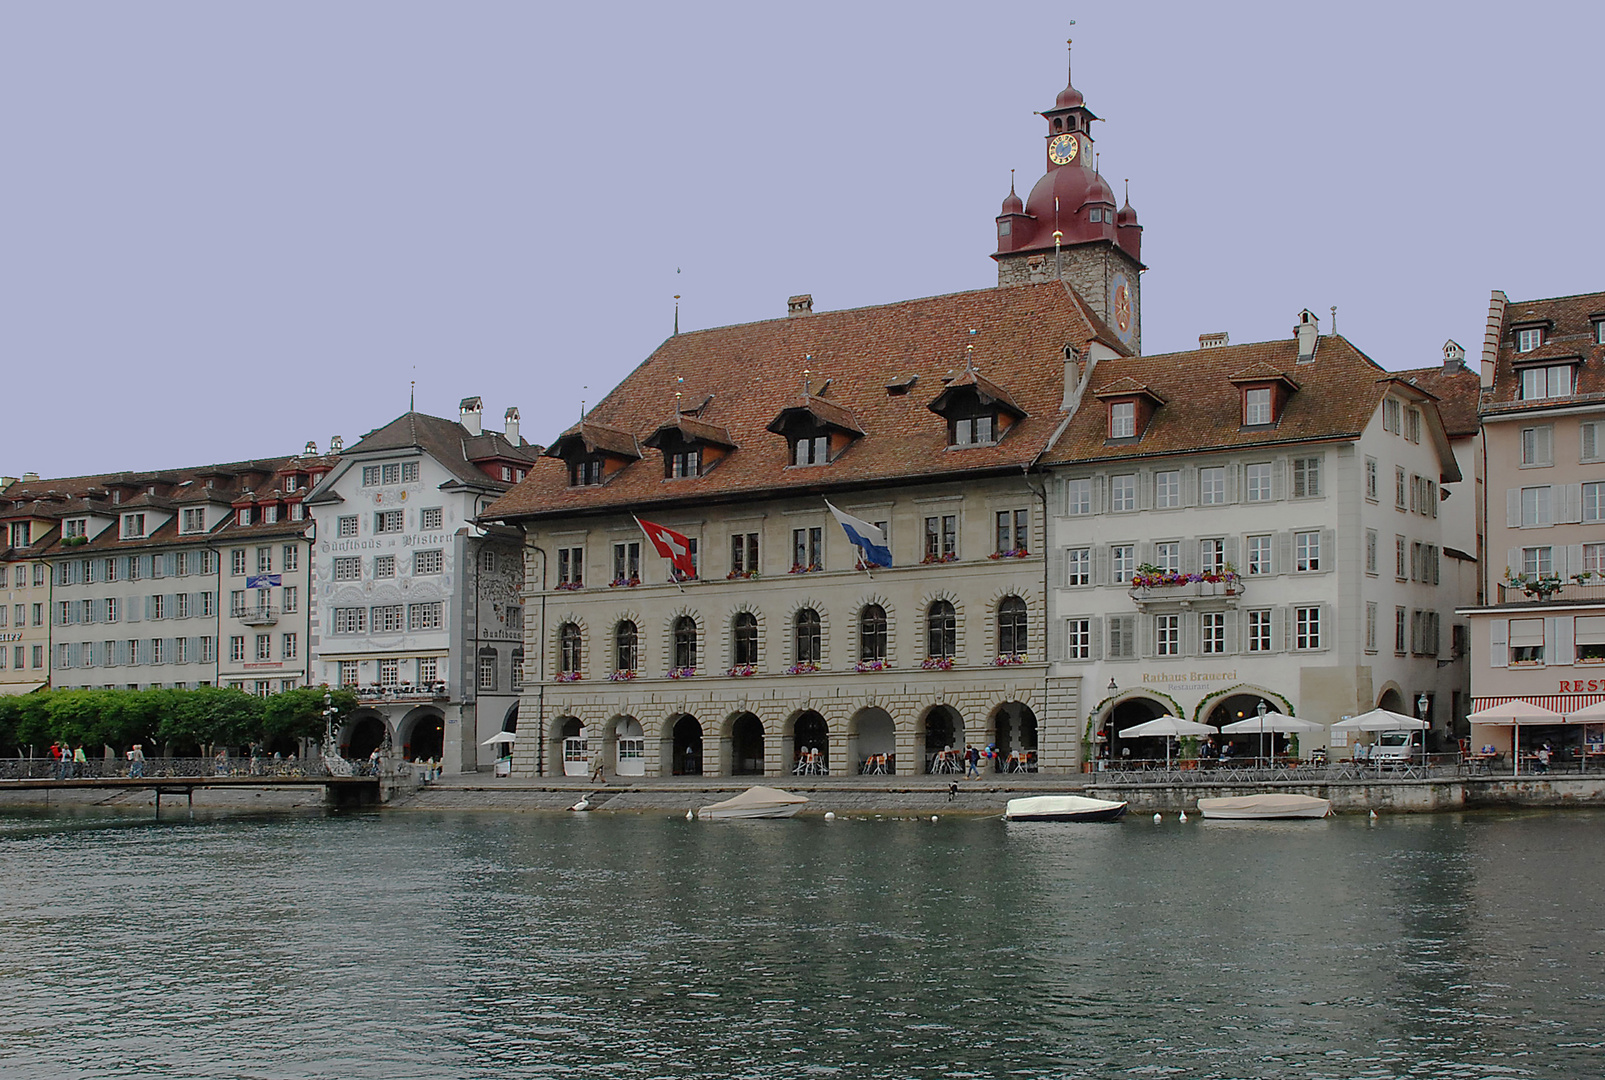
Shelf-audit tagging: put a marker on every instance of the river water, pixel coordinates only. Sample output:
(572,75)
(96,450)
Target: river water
(520,946)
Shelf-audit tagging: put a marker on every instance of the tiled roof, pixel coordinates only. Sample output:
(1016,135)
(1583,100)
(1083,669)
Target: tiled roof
(1457,392)
(1570,336)
(1338,393)
(448,442)
(750,373)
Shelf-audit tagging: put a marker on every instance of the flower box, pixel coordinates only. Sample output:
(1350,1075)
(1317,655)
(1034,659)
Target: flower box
(622,675)
(937,663)
(682,672)
(803,667)
(569,586)
(735,575)
(742,671)
(932,559)
(873,665)
(569,676)
(800,568)
(627,583)
(1008,660)
(1015,553)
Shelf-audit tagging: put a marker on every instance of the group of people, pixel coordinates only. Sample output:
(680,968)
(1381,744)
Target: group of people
(70,761)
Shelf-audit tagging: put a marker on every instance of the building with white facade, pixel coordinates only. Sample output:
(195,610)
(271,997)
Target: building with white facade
(412,603)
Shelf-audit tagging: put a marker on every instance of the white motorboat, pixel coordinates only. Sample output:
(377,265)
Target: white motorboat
(1063,808)
(1263,807)
(755,802)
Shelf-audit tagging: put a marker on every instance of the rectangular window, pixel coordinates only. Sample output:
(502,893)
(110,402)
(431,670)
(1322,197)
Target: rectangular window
(1257,406)
(242,516)
(237,562)
(385,618)
(1370,551)
(1526,641)
(208,650)
(1259,631)
(1307,550)
(409,472)
(389,672)
(270,513)
(236,602)
(1212,625)
(388,521)
(348,672)
(289,647)
(429,518)
(428,670)
(1259,555)
(193,521)
(371,475)
(1122,562)
(1258,478)
(1212,486)
(570,566)
(1078,567)
(158,607)
(181,650)
(1078,497)
(1167,556)
(1167,635)
(1371,479)
(424,616)
(158,651)
(392,473)
(208,604)
(807,550)
(1537,445)
(264,646)
(1013,531)
(1307,628)
(1589,432)
(346,526)
(1123,492)
(744,554)
(1399,567)
(1536,507)
(1078,639)
(430,562)
(1412,425)
(1212,555)
(1122,637)
(384,566)
(1546,382)
(1594,558)
(1528,340)
(1122,419)
(1593,503)
(970,431)
(264,560)
(941,538)
(292,558)
(133,526)
(1306,478)
(38,615)
(1167,489)
(350,620)
(1538,561)
(487,671)
(1391,411)
(627,563)
(236,647)
(1398,631)
(681,463)
(292,599)
(1370,627)
(810,451)
(1398,489)
(1588,635)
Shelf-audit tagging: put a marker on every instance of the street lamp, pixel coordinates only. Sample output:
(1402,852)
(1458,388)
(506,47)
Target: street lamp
(1260,710)
(1113,689)
(328,721)
(1422,705)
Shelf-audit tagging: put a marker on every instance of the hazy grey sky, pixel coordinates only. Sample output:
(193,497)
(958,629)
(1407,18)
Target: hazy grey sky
(229,228)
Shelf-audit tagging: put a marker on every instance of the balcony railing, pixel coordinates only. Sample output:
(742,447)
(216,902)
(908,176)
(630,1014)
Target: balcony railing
(1187,592)
(258,616)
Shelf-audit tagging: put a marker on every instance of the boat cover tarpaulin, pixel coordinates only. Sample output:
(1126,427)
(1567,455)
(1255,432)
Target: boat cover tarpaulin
(754,802)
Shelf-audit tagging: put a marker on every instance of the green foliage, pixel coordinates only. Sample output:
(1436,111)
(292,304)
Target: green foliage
(298,714)
(186,719)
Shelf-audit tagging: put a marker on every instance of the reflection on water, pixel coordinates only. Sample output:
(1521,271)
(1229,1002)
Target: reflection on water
(596,946)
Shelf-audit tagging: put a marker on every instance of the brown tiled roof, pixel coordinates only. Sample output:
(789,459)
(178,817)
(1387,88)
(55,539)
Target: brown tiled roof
(1457,392)
(752,370)
(989,392)
(448,442)
(690,430)
(1570,336)
(825,412)
(1262,372)
(1126,386)
(594,437)
(1339,391)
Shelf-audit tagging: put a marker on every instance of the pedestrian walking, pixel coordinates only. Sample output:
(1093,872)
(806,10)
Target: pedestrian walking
(80,762)
(972,759)
(136,762)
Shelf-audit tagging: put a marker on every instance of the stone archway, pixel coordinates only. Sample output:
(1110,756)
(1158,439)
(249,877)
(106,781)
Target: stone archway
(629,752)
(684,746)
(746,745)
(1014,736)
(810,740)
(1392,700)
(362,734)
(423,735)
(1243,704)
(1129,712)
(944,733)
(872,741)
(568,750)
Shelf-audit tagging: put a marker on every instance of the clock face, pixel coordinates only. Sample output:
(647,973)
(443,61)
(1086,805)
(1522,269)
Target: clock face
(1063,149)
(1122,305)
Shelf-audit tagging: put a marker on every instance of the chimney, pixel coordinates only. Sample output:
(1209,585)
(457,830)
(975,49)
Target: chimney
(311,448)
(1213,341)
(799,305)
(1454,357)
(1072,377)
(512,426)
(1307,331)
(336,444)
(469,413)
(1490,335)
(30,478)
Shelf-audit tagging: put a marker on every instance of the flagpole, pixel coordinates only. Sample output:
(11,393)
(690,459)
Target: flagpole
(672,579)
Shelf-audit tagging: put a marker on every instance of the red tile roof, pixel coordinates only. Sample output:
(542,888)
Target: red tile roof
(1570,336)
(749,373)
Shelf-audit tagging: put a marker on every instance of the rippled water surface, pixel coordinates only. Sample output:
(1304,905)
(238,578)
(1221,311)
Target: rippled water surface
(479,945)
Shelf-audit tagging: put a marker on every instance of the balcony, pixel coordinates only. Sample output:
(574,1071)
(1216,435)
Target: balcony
(257,616)
(1179,592)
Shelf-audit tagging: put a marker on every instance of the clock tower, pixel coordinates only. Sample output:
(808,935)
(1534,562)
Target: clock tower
(1068,226)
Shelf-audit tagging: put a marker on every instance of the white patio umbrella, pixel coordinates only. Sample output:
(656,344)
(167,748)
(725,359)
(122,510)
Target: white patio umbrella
(500,737)
(1271,722)
(1380,720)
(1516,713)
(1168,726)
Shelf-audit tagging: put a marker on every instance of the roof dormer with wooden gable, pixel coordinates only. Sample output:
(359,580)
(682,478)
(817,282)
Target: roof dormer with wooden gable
(816,431)
(978,411)
(1129,405)
(593,453)
(690,447)
(1264,390)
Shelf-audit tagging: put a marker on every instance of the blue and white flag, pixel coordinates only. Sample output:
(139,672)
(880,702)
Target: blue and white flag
(870,541)
(263,581)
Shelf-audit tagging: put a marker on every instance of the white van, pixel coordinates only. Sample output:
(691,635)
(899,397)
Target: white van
(1396,747)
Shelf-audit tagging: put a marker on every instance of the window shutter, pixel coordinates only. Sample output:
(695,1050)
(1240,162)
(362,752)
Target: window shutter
(1100,565)
(1513,560)
(1590,441)
(1544,444)
(1189,633)
(1574,559)
(1095,637)
(1144,552)
(1280,630)
(1513,508)
(1189,486)
(1328,625)
(1189,556)
(1569,498)
(1232,471)
(1145,489)
(1097,484)
(1234,552)
(1328,550)
(1234,633)
(1284,553)
(1499,642)
(1279,471)
(1145,631)
(1558,640)
(131,613)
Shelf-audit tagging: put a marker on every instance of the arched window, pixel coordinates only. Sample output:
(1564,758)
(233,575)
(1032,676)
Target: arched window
(808,636)
(685,642)
(569,648)
(941,630)
(744,636)
(872,632)
(1011,626)
(624,646)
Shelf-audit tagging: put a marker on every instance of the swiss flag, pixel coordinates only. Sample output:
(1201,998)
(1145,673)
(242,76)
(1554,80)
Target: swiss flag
(673,546)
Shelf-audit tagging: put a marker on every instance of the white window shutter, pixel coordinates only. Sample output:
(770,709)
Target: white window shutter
(1569,497)
(1100,565)
(1231,482)
(1513,560)
(1544,438)
(1284,553)
(1499,642)
(1145,552)
(1095,637)
(1513,508)
(1189,633)
(1328,549)
(1279,478)
(1145,489)
(1189,556)
(1145,633)
(1558,640)
(1574,559)
(1189,486)
(1098,502)
(1590,434)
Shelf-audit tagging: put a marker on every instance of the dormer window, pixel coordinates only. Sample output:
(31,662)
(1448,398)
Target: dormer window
(1122,419)
(682,463)
(192,520)
(21,534)
(818,431)
(270,514)
(1529,339)
(690,447)
(1256,406)
(973,430)
(75,527)
(133,526)
(1599,331)
(242,516)
(1554,380)
(978,411)
(585,472)
(292,483)
(593,453)
(810,450)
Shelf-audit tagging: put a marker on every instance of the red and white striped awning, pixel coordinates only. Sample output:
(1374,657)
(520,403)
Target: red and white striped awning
(1561,703)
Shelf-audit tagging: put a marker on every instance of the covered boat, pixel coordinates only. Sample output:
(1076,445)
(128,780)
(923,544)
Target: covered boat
(1258,807)
(1063,808)
(755,802)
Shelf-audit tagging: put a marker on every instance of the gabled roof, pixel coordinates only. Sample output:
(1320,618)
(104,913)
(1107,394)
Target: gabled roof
(689,431)
(821,411)
(751,372)
(447,441)
(1340,391)
(1569,338)
(591,437)
(1457,392)
(1125,387)
(989,393)
(1262,372)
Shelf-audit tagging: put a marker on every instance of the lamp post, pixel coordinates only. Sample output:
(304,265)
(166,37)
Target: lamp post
(328,721)
(1422,705)
(1261,710)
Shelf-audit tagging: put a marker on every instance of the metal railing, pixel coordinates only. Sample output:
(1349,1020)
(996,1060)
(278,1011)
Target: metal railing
(159,768)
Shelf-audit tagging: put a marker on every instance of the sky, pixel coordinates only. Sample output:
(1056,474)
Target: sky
(226,229)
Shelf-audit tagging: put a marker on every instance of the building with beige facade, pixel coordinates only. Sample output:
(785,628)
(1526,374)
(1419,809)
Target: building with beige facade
(1540,635)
